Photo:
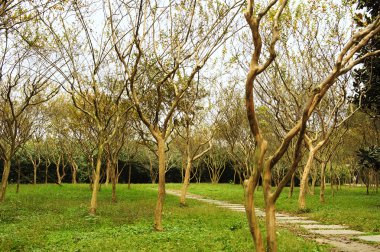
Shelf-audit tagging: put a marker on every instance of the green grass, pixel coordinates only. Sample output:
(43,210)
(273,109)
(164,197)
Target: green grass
(53,218)
(350,206)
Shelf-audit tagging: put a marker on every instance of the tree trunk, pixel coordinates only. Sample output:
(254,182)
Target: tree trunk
(18,176)
(46,173)
(34,173)
(313,181)
(129,175)
(114,181)
(74,173)
(186,182)
(108,171)
(161,185)
(270,218)
(270,221)
(96,178)
(323,183)
(304,182)
(153,177)
(291,189)
(253,222)
(57,164)
(4,180)
(332,179)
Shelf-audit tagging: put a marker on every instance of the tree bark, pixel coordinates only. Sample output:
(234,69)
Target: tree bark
(304,181)
(46,172)
(18,176)
(95,187)
(186,182)
(74,173)
(161,184)
(323,183)
(253,222)
(313,181)
(129,175)
(113,181)
(57,164)
(108,171)
(270,221)
(291,189)
(4,180)
(270,217)
(34,173)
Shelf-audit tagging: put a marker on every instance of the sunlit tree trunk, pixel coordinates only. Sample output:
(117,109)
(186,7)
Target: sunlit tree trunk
(108,171)
(291,189)
(74,169)
(323,181)
(161,184)
(4,179)
(186,182)
(57,164)
(253,222)
(304,181)
(113,173)
(96,178)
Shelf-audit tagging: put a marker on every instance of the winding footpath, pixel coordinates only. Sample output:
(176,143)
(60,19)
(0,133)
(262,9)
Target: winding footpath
(340,237)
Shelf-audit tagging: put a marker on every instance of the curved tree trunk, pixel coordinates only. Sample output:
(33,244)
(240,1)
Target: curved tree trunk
(161,185)
(323,183)
(186,182)
(253,222)
(304,182)
(291,189)
(4,180)
(96,178)
(74,170)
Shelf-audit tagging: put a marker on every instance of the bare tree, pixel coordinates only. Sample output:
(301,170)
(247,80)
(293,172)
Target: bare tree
(262,57)
(160,61)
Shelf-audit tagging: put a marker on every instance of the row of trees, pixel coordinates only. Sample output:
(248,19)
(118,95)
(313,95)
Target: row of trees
(91,82)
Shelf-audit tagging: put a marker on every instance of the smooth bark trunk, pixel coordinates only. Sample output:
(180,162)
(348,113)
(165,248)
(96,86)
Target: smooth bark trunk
(323,183)
(186,182)
(4,180)
(108,171)
(291,186)
(74,174)
(18,176)
(34,174)
(96,178)
(114,181)
(161,185)
(253,222)
(57,164)
(304,182)
(270,221)
(129,176)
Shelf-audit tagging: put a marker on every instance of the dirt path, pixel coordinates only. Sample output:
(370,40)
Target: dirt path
(340,237)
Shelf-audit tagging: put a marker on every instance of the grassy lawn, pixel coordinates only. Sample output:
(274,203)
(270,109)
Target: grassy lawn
(349,206)
(53,218)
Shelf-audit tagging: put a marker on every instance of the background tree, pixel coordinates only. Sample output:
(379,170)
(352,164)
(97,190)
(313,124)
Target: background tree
(21,89)
(161,62)
(262,57)
(367,77)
